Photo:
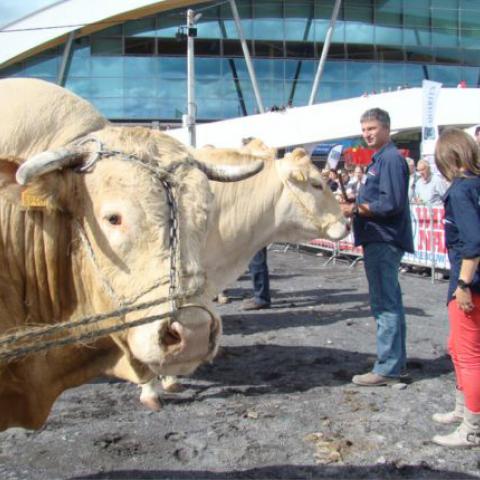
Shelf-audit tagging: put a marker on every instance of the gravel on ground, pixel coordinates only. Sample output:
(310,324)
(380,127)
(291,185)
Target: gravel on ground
(277,402)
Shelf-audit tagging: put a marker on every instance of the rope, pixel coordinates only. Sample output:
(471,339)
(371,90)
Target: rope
(48,330)
(17,352)
(10,354)
(8,343)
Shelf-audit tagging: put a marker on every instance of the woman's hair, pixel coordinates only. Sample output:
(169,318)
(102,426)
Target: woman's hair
(457,153)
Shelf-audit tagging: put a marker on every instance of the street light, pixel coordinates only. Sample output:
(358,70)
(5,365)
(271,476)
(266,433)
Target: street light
(189,32)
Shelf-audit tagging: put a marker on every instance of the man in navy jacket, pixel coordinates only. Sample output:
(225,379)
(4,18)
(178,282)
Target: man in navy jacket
(381,224)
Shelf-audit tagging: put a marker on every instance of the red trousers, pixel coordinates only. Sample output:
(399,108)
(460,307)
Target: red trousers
(464,348)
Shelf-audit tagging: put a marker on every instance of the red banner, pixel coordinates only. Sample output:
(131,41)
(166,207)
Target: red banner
(363,156)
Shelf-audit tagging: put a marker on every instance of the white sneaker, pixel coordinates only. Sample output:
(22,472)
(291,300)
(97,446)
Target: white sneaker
(456,415)
(447,418)
(465,436)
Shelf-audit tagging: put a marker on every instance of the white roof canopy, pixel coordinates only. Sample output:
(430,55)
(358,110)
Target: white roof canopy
(59,19)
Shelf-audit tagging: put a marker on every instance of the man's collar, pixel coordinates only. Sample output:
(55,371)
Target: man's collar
(426,180)
(381,149)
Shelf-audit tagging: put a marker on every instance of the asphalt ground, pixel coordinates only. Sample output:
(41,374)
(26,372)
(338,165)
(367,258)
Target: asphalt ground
(277,403)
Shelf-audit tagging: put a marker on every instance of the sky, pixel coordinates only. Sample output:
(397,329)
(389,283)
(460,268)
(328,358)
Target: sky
(11,10)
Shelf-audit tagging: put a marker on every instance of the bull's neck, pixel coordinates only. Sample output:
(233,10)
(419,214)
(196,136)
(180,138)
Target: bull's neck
(244,222)
(37,277)
(45,277)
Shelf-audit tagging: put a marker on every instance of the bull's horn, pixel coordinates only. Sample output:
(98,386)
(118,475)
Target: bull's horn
(229,173)
(46,162)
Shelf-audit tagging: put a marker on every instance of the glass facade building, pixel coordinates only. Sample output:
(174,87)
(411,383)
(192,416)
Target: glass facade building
(136,71)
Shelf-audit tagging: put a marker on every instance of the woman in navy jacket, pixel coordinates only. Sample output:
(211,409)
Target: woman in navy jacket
(457,156)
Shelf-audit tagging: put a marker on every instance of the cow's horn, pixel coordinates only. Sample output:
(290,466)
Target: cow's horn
(46,162)
(229,173)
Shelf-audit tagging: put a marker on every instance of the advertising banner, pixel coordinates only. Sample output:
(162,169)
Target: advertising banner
(428,240)
(431,91)
(428,237)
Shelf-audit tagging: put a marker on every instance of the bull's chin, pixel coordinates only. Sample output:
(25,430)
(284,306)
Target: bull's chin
(337,232)
(175,369)
(172,366)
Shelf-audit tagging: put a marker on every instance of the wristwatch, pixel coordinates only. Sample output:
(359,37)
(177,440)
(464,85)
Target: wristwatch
(355,209)
(463,285)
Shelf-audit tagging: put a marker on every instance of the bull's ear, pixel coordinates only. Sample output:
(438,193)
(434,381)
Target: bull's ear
(39,195)
(298,175)
(299,155)
(299,165)
(45,193)
(10,189)
(46,177)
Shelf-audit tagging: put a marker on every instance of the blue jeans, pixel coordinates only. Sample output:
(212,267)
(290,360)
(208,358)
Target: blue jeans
(258,269)
(382,261)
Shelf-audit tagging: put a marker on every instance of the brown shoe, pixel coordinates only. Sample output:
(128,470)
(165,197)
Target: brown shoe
(251,304)
(372,379)
(222,298)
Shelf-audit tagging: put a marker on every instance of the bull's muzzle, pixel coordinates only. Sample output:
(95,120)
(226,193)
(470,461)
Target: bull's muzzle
(189,340)
(338,230)
(178,344)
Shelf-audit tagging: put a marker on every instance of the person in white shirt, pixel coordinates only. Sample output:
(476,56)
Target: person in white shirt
(429,188)
(354,184)
(412,179)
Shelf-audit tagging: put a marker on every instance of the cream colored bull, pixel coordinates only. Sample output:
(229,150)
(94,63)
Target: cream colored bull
(288,201)
(85,229)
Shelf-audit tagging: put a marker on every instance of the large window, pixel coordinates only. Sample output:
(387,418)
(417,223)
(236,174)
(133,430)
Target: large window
(137,69)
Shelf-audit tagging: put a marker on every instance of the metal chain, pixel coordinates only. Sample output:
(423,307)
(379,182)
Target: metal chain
(161,175)
(173,241)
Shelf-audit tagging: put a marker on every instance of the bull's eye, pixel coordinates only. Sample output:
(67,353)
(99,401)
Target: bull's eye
(318,186)
(114,219)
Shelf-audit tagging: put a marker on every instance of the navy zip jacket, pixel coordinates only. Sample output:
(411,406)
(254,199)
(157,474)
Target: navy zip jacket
(386,192)
(462,227)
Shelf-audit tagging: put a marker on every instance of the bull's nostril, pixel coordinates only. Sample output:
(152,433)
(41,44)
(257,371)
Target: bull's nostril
(171,337)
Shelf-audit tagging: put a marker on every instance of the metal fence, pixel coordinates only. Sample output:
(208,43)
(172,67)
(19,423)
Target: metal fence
(428,236)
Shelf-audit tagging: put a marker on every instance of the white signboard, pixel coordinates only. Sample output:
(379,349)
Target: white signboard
(334,156)
(431,91)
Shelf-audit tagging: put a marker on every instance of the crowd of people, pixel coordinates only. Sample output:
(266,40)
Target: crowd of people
(425,187)
(344,181)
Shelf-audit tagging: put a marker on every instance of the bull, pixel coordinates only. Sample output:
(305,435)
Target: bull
(288,201)
(86,214)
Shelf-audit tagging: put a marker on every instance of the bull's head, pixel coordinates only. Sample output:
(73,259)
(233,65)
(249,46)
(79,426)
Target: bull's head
(307,200)
(121,237)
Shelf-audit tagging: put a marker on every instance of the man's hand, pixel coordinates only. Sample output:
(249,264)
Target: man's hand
(348,209)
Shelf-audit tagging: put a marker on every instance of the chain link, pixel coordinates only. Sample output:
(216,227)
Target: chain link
(173,241)
(162,175)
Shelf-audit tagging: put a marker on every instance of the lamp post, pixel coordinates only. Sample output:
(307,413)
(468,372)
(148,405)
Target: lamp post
(191,105)
(190,32)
